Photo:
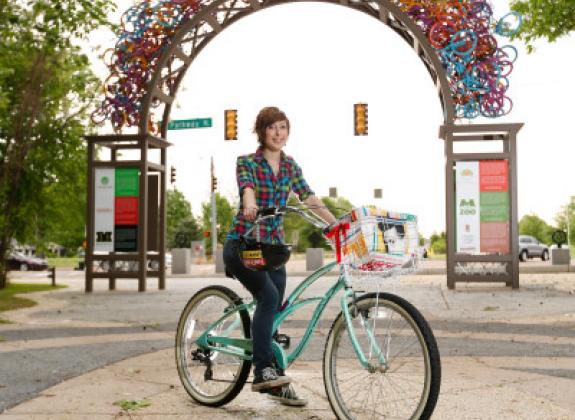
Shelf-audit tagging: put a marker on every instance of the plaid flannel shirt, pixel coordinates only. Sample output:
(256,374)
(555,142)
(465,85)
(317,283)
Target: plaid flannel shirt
(255,172)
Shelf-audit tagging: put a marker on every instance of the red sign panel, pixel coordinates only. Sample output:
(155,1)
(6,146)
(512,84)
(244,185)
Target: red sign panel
(494,237)
(126,211)
(494,176)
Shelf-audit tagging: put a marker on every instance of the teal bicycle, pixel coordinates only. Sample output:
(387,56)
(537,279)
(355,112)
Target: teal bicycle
(380,358)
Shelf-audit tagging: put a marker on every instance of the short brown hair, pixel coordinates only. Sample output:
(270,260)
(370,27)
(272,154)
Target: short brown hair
(266,117)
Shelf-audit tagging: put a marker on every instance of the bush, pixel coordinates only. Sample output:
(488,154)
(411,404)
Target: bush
(439,246)
(438,243)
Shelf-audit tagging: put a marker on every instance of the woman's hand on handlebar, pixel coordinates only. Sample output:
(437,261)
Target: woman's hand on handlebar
(251,213)
(250,207)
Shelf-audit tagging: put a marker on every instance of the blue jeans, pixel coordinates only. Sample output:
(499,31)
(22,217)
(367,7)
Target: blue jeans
(268,288)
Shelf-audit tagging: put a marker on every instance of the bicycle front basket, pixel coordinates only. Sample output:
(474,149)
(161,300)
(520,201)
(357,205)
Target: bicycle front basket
(380,241)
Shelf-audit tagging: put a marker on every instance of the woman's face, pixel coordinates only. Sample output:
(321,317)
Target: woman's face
(276,136)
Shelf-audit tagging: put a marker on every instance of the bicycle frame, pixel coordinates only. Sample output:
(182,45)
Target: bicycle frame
(242,348)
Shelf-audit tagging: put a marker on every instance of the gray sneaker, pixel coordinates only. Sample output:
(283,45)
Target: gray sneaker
(269,378)
(286,395)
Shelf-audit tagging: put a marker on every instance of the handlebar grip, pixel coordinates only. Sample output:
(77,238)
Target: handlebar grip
(267,211)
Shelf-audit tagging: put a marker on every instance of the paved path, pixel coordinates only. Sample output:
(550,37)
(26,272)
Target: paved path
(505,354)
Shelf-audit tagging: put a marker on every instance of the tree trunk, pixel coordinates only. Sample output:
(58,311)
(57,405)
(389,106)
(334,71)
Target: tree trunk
(4,247)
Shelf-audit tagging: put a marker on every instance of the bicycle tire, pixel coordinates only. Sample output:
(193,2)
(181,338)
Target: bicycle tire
(425,399)
(193,362)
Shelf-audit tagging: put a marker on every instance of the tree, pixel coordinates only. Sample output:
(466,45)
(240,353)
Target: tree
(313,237)
(181,226)
(438,243)
(63,219)
(302,234)
(46,90)
(533,225)
(224,216)
(548,19)
(561,219)
(338,206)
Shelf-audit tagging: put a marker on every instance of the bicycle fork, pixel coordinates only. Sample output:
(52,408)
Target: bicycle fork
(374,349)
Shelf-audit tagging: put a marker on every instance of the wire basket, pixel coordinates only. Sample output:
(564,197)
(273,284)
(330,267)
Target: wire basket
(378,243)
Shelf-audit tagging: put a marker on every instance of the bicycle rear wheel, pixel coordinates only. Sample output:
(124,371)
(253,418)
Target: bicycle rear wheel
(210,377)
(408,387)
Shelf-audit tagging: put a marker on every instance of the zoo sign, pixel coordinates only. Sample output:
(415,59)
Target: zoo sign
(482,206)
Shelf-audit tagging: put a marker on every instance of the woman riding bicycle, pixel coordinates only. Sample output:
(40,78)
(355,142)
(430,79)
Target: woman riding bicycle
(265,179)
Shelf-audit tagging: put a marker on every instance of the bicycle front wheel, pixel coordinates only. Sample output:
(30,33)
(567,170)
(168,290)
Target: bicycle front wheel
(211,377)
(404,376)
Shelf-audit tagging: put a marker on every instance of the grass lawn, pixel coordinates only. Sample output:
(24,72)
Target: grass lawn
(64,262)
(9,302)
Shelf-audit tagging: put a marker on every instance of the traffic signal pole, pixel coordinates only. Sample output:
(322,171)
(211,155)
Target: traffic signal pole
(214,213)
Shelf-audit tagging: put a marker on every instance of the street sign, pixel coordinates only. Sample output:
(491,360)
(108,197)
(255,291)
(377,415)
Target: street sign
(186,124)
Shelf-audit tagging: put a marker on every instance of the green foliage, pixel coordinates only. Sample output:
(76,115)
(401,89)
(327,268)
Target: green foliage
(561,219)
(549,19)
(63,218)
(533,225)
(46,91)
(8,300)
(438,244)
(131,405)
(338,206)
(181,225)
(302,234)
(224,216)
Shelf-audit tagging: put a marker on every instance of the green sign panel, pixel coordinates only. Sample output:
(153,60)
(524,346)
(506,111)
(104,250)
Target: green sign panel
(186,124)
(127,182)
(494,207)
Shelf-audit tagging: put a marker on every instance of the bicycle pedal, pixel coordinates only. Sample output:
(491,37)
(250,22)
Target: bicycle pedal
(283,340)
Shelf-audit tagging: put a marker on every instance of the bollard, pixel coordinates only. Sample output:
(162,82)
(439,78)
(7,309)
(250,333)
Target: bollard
(220,266)
(52,275)
(181,261)
(313,259)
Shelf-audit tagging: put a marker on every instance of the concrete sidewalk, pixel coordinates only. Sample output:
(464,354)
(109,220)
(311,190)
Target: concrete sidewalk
(505,354)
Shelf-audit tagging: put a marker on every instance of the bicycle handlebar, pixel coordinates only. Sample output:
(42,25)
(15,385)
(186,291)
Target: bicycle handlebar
(269,212)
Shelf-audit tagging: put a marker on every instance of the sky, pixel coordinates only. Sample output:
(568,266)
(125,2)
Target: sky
(314,61)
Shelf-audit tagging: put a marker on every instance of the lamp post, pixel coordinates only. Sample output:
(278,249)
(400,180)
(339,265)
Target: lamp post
(214,213)
(568,232)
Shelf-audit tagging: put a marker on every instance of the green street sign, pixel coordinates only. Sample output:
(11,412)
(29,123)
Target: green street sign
(186,124)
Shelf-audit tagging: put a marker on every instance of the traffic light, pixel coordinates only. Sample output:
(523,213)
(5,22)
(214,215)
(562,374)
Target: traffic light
(360,119)
(231,120)
(172,174)
(214,183)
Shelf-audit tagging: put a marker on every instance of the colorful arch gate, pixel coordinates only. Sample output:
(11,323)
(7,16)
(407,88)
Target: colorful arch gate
(160,40)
